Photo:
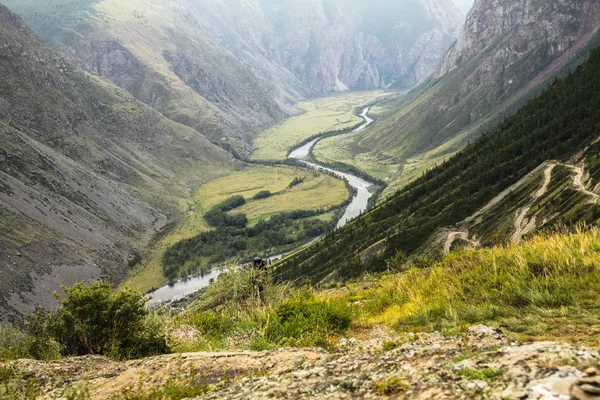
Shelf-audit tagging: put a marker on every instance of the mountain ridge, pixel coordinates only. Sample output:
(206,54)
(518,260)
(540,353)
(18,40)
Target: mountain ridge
(557,124)
(87,173)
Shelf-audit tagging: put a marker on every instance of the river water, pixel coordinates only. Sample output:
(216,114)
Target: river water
(359,203)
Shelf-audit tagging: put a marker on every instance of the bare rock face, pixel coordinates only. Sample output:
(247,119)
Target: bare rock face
(335,45)
(510,43)
(115,63)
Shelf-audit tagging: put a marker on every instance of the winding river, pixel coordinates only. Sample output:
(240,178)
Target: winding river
(359,203)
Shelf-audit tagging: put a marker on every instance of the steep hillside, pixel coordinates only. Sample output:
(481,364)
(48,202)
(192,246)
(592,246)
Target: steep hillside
(157,52)
(560,123)
(505,54)
(554,194)
(333,45)
(87,173)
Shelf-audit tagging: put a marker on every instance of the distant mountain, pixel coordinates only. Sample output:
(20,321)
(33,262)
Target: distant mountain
(88,174)
(232,68)
(336,45)
(506,53)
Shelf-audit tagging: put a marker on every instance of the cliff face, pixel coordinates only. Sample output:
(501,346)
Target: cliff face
(87,173)
(334,45)
(510,46)
(521,27)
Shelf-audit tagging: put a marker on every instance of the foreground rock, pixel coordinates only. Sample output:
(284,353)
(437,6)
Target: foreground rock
(479,364)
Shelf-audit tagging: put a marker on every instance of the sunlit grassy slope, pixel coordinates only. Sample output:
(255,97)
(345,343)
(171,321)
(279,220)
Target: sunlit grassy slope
(316,192)
(545,288)
(320,115)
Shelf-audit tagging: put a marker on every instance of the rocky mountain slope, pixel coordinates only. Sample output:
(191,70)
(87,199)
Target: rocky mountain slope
(333,45)
(157,52)
(87,173)
(481,363)
(232,68)
(506,53)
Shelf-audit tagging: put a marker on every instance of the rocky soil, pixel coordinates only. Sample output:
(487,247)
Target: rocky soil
(480,364)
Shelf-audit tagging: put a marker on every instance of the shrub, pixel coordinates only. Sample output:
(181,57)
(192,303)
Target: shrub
(263,194)
(237,288)
(14,344)
(390,386)
(97,320)
(216,217)
(231,203)
(297,180)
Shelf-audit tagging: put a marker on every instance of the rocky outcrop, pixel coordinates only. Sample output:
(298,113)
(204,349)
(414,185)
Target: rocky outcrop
(481,364)
(114,62)
(511,46)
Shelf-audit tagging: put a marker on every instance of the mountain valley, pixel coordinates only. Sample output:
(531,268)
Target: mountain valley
(300,199)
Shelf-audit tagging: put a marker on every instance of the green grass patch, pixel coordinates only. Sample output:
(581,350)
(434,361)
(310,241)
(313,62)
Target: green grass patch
(483,374)
(316,192)
(390,386)
(322,114)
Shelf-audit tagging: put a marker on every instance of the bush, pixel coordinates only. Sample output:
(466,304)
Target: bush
(97,320)
(14,344)
(297,180)
(263,194)
(231,203)
(218,218)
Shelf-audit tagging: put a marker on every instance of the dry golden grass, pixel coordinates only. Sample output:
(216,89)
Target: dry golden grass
(544,288)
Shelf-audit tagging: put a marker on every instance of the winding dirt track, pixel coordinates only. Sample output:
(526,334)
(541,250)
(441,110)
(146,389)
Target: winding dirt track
(525,225)
(522,224)
(578,182)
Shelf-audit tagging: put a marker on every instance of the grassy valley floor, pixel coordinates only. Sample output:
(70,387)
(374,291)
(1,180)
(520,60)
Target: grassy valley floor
(317,191)
(320,115)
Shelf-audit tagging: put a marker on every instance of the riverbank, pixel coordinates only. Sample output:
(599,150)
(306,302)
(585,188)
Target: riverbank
(363,189)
